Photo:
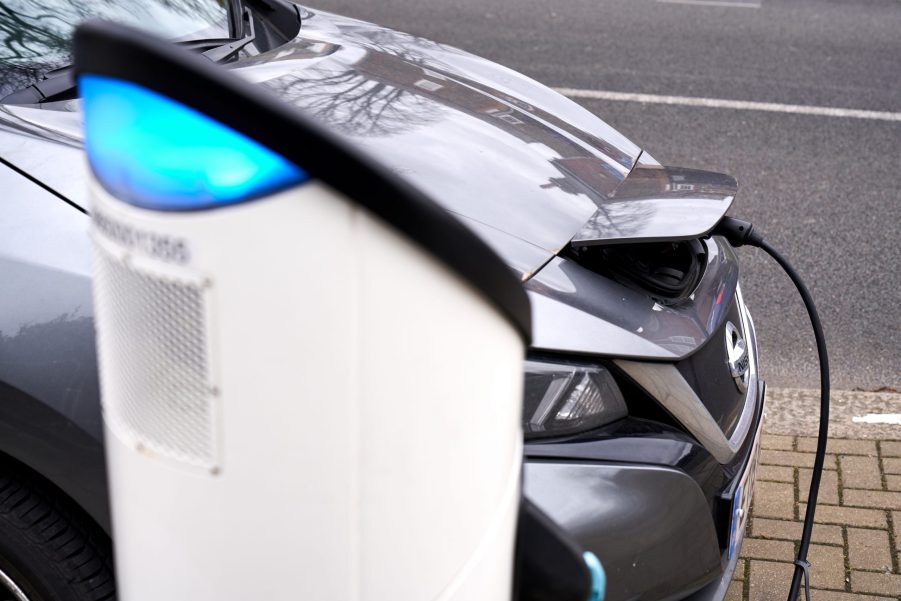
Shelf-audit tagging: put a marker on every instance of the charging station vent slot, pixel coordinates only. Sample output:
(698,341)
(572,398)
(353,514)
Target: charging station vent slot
(154,352)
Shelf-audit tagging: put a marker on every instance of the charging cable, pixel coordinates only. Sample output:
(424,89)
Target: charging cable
(741,233)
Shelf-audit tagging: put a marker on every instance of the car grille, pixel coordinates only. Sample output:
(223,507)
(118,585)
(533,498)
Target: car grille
(707,372)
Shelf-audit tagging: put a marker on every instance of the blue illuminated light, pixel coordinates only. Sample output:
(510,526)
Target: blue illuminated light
(153,152)
(598,576)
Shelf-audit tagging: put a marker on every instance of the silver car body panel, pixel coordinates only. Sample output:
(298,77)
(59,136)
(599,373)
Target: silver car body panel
(46,145)
(660,203)
(50,416)
(568,300)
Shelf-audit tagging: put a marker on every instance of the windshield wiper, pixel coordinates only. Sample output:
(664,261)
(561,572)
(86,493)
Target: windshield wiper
(231,47)
(221,49)
(59,84)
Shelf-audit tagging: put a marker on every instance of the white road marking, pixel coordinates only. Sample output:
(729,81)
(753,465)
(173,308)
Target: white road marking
(722,103)
(713,3)
(878,418)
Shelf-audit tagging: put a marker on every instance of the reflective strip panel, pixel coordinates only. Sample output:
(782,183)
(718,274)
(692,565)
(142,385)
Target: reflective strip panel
(153,152)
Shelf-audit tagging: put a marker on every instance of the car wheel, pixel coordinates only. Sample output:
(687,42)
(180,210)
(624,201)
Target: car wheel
(48,550)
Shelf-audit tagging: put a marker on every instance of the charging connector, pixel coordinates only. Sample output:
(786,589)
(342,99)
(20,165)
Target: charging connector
(741,233)
(737,232)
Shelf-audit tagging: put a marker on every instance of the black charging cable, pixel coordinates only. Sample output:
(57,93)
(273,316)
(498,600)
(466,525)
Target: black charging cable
(741,233)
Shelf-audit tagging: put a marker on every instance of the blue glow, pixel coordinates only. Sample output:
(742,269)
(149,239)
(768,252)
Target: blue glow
(153,152)
(598,576)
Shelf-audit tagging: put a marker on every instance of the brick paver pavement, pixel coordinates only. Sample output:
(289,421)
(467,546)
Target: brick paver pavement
(856,547)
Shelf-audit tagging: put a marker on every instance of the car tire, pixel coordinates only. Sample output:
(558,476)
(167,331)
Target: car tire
(49,551)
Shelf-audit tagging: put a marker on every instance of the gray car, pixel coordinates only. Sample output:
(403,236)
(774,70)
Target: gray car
(643,404)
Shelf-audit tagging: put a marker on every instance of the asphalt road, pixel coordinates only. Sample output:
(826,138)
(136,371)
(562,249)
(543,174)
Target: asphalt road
(825,189)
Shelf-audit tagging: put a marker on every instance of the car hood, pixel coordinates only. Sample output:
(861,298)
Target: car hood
(526,168)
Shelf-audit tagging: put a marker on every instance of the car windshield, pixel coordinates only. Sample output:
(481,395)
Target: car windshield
(37,34)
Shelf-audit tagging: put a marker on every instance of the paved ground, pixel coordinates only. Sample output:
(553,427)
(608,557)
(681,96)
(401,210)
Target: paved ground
(825,189)
(869,415)
(856,547)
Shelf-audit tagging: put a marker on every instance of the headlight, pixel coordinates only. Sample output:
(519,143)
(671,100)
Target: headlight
(563,398)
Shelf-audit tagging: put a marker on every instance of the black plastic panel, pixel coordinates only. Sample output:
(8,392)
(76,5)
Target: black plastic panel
(549,564)
(707,372)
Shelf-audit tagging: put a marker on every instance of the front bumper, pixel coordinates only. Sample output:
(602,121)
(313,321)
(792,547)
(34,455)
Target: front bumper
(652,500)
(650,526)
(658,532)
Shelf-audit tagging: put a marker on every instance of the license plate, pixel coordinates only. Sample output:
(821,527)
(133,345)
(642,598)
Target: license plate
(741,501)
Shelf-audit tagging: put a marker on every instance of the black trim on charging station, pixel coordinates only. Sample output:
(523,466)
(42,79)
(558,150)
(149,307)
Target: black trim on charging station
(104,48)
(548,563)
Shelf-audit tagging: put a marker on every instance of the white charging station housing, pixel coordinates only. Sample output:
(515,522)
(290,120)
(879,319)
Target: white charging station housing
(301,402)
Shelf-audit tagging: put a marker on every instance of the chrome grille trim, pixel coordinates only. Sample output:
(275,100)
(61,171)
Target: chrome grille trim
(664,382)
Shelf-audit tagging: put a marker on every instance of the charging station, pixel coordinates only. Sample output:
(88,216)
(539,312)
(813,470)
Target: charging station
(311,375)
